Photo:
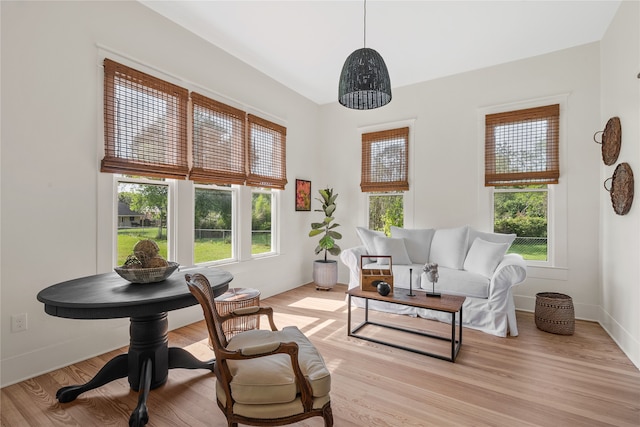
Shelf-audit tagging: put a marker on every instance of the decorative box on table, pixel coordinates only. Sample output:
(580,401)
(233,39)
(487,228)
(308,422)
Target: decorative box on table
(370,277)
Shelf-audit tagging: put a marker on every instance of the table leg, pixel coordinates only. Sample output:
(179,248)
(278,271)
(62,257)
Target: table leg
(140,415)
(114,369)
(453,336)
(149,339)
(181,358)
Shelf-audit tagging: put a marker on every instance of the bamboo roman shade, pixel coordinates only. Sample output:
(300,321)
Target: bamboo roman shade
(522,147)
(145,124)
(145,127)
(385,161)
(266,154)
(218,142)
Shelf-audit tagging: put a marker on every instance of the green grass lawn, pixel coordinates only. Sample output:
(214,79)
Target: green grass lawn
(216,249)
(204,249)
(534,252)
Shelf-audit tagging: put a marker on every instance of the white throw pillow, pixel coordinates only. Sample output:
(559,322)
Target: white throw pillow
(490,237)
(484,257)
(417,242)
(393,247)
(449,247)
(366,237)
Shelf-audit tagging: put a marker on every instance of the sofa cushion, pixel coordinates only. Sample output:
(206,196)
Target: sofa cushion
(458,282)
(393,247)
(417,242)
(484,257)
(366,237)
(490,237)
(449,247)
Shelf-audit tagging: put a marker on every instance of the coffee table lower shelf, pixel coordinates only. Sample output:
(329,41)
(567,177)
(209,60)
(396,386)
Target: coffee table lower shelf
(452,307)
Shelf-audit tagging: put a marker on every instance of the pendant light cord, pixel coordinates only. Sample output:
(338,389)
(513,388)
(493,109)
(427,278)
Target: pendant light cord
(365,23)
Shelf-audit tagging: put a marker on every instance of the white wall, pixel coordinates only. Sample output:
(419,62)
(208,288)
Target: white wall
(447,156)
(620,235)
(51,137)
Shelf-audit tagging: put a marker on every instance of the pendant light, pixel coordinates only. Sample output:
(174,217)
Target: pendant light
(364,81)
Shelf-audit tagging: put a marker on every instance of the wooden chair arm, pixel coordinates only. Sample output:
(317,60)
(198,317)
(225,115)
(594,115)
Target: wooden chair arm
(251,311)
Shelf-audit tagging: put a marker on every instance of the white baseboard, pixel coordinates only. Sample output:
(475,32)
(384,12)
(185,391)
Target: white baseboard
(46,359)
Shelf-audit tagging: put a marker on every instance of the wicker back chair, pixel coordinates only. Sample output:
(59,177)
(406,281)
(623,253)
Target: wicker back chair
(264,377)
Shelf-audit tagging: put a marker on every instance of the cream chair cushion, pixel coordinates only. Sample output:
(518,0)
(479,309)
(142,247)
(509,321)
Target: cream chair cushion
(270,380)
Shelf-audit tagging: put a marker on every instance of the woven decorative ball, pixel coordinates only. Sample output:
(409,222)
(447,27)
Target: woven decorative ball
(147,275)
(554,313)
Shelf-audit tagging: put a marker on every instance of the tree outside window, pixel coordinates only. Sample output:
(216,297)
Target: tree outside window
(386,210)
(261,225)
(213,224)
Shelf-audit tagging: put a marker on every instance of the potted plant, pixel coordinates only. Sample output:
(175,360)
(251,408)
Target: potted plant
(325,272)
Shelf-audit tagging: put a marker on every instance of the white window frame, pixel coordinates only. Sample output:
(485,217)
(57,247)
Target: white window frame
(557,220)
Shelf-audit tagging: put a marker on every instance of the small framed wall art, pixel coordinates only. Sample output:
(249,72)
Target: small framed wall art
(303,195)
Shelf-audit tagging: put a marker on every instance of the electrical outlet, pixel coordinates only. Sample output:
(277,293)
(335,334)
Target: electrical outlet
(19,322)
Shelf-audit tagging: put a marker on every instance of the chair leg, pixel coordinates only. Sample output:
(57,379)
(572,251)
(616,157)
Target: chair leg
(327,414)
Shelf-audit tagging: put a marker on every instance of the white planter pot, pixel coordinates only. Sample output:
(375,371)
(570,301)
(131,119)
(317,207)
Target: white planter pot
(325,274)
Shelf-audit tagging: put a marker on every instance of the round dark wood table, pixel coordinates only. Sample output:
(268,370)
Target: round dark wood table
(149,358)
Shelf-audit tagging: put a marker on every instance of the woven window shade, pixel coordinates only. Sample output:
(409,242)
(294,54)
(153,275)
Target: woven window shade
(521,147)
(266,152)
(218,142)
(385,161)
(145,124)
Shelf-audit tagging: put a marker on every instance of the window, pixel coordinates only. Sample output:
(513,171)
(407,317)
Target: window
(149,203)
(214,226)
(385,161)
(261,221)
(521,161)
(148,135)
(385,210)
(524,211)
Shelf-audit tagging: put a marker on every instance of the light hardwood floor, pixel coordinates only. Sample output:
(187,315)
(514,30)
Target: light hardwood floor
(535,379)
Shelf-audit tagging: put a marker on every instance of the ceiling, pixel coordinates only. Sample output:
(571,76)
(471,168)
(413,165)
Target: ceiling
(303,44)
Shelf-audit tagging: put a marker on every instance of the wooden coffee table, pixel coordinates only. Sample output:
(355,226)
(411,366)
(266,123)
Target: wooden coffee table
(446,303)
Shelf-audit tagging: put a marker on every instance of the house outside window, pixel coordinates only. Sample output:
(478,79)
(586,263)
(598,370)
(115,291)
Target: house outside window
(150,201)
(521,163)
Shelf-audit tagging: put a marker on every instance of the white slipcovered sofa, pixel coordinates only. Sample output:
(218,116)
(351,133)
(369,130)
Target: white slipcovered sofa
(470,263)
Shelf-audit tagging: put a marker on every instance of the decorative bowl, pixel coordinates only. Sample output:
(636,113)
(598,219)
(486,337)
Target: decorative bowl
(147,275)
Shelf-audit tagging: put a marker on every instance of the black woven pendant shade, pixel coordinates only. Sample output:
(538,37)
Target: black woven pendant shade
(364,81)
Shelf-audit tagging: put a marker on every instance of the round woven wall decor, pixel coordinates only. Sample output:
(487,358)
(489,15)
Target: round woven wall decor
(611,141)
(621,188)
